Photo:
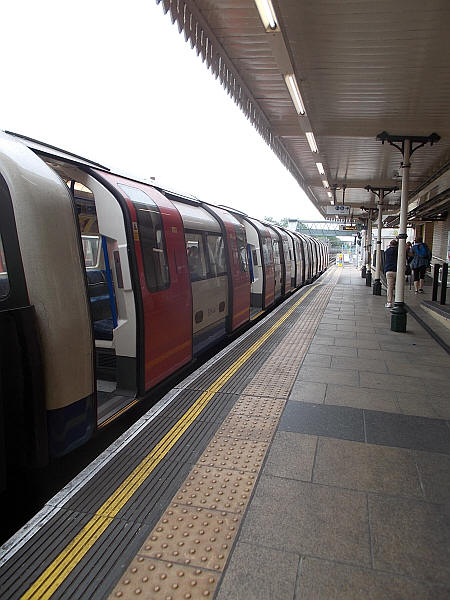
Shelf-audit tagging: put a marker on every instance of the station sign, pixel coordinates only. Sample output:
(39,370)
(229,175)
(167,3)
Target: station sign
(348,228)
(338,209)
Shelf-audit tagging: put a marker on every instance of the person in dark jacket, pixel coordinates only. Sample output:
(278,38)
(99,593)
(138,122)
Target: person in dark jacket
(420,263)
(390,270)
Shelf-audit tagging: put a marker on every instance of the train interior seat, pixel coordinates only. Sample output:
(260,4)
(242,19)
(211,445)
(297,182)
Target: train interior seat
(100,304)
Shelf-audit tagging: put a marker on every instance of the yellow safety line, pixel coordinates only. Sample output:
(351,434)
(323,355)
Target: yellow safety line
(67,560)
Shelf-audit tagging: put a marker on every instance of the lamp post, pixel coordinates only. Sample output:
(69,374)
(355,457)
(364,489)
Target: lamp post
(398,313)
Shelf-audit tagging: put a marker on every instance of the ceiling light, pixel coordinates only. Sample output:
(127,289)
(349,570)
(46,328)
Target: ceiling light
(267,14)
(325,183)
(311,141)
(292,86)
(320,168)
(330,195)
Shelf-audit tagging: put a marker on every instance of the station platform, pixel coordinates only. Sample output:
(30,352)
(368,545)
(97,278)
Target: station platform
(310,459)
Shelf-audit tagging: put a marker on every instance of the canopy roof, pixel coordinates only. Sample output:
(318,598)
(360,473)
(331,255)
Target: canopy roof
(362,67)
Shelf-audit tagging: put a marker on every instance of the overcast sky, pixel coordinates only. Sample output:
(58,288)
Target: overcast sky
(115,82)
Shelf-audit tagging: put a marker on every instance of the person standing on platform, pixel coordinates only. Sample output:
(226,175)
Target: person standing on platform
(420,263)
(390,270)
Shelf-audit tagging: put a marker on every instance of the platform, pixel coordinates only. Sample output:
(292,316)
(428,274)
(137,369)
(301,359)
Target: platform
(310,459)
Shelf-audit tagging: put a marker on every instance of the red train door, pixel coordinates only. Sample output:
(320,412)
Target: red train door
(166,325)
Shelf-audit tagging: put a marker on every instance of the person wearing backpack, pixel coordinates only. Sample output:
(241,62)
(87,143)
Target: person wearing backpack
(390,270)
(420,263)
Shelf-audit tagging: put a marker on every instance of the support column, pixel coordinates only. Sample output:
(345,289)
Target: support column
(369,252)
(377,282)
(363,254)
(398,313)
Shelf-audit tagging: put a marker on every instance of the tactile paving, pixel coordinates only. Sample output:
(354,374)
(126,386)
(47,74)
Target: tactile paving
(192,536)
(248,428)
(217,488)
(233,453)
(259,406)
(157,580)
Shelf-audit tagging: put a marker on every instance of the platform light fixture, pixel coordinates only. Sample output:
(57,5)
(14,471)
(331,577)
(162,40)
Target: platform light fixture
(325,183)
(320,168)
(330,195)
(267,14)
(311,141)
(292,86)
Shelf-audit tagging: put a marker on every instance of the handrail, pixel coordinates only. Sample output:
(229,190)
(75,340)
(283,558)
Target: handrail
(438,258)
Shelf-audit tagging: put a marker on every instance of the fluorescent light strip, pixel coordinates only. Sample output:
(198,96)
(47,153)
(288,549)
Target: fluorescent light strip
(320,168)
(292,86)
(325,183)
(311,141)
(267,14)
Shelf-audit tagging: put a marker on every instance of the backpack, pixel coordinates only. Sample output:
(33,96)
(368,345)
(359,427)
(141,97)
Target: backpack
(422,251)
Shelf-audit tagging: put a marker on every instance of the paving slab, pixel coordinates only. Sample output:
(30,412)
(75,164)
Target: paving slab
(258,573)
(434,470)
(323,580)
(317,419)
(333,350)
(308,391)
(410,537)
(401,383)
(360,364)
(407,431)
(291,456)
(359,397)
(317,360)
(324,375)
(356,342)
(320,520)
(366,467)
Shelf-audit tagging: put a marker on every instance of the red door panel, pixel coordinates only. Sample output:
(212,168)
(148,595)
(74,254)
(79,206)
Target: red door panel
(167,311)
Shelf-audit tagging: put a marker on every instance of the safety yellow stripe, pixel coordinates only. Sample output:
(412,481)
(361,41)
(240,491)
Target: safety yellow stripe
(67,560)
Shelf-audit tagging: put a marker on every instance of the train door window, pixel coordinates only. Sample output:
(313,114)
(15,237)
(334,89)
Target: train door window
(151,235)
(266,252)
(255,257)
(196,256)
(4,281)
(241,243)
(276,252)
(216,255)
(91,250)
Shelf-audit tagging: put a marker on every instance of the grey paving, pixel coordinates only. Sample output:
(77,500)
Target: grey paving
(292,456)
(324,375)
(361,364)
(324,580)
(308,391)
(332,350)
(320,520)
(258,573)
(317,419)
(406,431)
(367,467)
(359,397)
(410,537)
(317,360)
(434,471)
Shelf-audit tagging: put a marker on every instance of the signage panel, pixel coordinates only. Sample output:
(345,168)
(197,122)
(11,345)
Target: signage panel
(338,209)
(348,227)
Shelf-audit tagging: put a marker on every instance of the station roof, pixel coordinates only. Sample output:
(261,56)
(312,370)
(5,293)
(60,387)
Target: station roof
(362,67)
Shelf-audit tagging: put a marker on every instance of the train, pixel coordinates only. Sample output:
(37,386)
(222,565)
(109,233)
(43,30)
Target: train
(110,284)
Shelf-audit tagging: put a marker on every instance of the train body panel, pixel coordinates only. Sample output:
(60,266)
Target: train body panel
(107,277)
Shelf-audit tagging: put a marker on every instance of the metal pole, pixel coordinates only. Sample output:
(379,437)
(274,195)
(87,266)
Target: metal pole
(444,283)
(377,282)
(363,254)
(369,253)
(398,313)
(437,266)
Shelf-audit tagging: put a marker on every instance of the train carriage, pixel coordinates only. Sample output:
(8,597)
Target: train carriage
(108,285)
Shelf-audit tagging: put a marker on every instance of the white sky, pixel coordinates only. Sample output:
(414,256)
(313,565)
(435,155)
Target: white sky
(115,82)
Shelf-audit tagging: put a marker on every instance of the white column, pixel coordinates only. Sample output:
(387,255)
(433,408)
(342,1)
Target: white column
(380,223)
(401,259)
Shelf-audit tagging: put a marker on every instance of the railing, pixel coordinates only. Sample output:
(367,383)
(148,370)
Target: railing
(443,269)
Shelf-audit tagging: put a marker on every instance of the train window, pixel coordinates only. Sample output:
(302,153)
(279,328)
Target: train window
(241,242)
(216,255)
(276,252)
(195,255)
(151,235)
(91,250)
(4,281)
(267,255)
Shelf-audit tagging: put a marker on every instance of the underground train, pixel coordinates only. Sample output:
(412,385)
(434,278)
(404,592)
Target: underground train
(108,285)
